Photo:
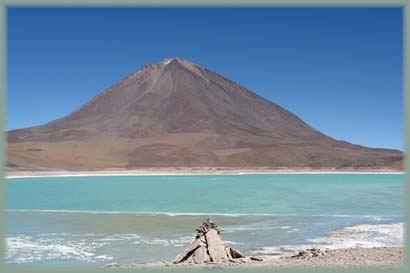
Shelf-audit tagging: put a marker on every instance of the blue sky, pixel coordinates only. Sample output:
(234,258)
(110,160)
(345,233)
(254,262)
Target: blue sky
(339,69)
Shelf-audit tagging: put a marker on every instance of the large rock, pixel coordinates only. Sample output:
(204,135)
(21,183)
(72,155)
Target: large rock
(216,247)
(201,255)
(183,256)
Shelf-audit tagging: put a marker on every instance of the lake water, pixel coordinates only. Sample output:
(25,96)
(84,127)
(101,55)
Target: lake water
(91,221)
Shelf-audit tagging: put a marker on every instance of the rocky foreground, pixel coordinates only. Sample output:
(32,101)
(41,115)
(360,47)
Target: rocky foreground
(390,257)
(208,250)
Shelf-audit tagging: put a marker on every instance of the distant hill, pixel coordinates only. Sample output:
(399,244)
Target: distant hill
(177,113)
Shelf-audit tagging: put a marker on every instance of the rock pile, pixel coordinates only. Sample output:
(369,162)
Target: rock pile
(209,248)
(311,252)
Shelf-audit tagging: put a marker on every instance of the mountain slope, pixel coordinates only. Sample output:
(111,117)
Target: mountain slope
(177,113)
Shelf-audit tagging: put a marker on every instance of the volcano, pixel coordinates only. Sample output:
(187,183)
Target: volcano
(180,114)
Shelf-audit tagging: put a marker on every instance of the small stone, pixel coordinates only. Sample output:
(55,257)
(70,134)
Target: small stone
(235,253)
(111,265)
(256,259)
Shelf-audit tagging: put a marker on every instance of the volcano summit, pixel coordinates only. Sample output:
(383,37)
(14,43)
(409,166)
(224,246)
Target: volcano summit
(180,114)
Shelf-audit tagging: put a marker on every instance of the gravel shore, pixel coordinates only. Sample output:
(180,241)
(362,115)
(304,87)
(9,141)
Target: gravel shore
(341,258)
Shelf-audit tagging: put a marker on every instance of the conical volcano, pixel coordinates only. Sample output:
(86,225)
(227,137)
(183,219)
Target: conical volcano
(180,114)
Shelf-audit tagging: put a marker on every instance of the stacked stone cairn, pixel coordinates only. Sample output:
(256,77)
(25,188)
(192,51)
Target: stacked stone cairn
(208,248)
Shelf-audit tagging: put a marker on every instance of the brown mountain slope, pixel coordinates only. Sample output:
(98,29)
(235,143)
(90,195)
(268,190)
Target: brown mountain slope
(180,114)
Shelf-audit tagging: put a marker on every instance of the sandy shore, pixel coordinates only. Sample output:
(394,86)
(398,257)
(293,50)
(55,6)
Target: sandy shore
(349,257)
(190,171)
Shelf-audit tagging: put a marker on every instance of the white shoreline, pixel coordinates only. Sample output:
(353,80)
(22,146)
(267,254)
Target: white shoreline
(188,174)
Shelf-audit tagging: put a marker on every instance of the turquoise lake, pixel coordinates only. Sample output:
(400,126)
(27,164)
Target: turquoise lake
(95,220)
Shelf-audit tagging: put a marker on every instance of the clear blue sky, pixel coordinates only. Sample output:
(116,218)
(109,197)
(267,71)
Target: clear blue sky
(340,70)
